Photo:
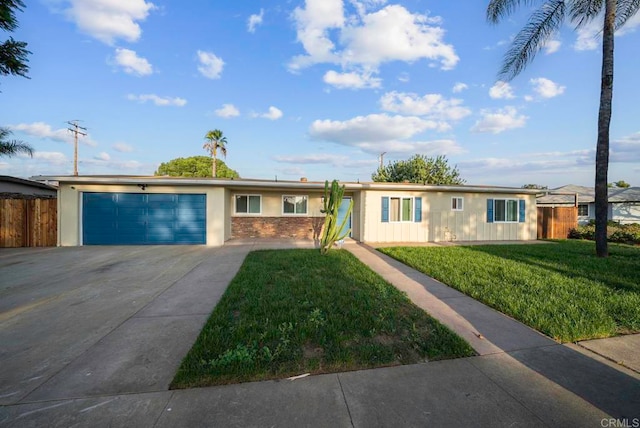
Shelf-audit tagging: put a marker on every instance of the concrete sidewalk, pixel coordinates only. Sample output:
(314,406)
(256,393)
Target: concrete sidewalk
(521,378)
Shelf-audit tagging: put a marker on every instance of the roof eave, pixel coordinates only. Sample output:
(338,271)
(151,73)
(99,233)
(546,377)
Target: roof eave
(313,185)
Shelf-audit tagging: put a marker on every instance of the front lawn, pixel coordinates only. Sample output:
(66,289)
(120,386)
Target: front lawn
(561,289)
(289,312)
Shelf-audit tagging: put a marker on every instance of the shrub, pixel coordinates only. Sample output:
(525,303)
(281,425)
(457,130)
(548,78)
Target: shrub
(623,233)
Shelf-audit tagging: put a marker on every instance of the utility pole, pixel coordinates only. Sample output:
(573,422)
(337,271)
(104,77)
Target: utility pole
(75,128)
(381,157)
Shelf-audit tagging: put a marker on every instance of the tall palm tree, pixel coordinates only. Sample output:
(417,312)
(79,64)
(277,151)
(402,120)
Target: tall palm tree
(215,141)
(542,25)
(12,147)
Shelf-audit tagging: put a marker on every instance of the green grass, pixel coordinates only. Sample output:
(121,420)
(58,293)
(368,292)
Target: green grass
(289,312)
(560,289)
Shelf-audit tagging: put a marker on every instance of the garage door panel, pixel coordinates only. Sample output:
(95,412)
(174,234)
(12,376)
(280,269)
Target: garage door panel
(141,218)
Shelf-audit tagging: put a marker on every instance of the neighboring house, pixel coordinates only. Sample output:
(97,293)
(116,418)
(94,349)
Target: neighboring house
(171,210)
(624,203)
(20,186)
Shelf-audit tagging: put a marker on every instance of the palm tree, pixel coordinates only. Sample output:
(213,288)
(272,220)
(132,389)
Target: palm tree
(12,147)
(542,25)
(215,141)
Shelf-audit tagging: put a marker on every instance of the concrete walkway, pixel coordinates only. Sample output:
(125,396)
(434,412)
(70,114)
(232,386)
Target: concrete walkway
(96,363)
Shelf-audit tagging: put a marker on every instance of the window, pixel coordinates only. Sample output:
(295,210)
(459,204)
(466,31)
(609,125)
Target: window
(505,210)
(457,204)
(583,210)
(401,209)
(248,204)
(294,204)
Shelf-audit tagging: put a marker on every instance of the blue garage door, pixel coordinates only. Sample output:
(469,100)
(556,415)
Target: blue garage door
(143,219)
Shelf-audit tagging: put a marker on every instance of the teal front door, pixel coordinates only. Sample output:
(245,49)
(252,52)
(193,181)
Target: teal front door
(342,213)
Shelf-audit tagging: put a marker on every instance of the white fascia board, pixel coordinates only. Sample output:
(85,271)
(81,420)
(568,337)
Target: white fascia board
(272,184)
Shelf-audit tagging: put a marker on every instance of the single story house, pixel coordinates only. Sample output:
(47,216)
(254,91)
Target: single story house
(624,203)
(104,210)
(19,186)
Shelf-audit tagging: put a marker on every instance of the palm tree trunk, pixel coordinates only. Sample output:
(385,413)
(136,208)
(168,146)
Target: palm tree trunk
(604,120)
(213,164)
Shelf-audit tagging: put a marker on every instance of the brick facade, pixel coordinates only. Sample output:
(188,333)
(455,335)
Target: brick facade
(277,227)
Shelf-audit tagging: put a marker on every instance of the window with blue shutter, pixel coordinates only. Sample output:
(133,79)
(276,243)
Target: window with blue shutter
(489,210)
(521,214)
(385,209)
(418,208)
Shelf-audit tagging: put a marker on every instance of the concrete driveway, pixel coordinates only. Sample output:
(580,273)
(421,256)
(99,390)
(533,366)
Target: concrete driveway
(92,337)
(80,322)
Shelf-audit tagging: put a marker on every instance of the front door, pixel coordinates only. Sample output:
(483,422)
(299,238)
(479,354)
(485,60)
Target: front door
(342,213)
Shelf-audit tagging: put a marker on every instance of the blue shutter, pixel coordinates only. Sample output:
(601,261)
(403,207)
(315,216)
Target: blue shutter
(418,208)
(521,211)
(385,209)
(489,210)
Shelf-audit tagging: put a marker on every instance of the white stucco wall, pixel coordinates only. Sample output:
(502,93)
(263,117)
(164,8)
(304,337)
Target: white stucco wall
(625,212)
(70,208)
(440,223)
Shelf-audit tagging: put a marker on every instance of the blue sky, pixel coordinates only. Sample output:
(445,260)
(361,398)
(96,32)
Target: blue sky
(315,88)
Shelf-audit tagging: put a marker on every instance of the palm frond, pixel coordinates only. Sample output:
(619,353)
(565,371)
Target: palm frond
(13,147)
(583,11)
(498,9)
(542,25)
(625,9)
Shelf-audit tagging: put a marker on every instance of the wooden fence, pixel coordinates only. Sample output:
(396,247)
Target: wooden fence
(28,222)
(556,222)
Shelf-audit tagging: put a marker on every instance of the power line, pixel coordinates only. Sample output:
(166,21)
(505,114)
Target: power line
(76,130)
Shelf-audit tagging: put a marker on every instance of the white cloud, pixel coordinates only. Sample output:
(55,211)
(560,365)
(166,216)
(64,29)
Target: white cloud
(325,159)
(109,20)
(227,110)
(295,170)
(132,63)
(431,148)
(501,90)
(371,128)
(102,156)
(157,100)
(210,65)
(53,158)
(43,130)
(380,132)
(518,166)
(404,77)
(459,87)
(122,147)
(590,35)
(352,80)
(630,26)
(254,20)
(626,149)
(433,106)
(364,41)
(394,34)
(313,23)
(546,88)
(497,121)
(273,113)
(552,46)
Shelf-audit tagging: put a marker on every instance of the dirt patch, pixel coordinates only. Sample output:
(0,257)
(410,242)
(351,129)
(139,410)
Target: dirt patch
(384,339)
(311,351)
